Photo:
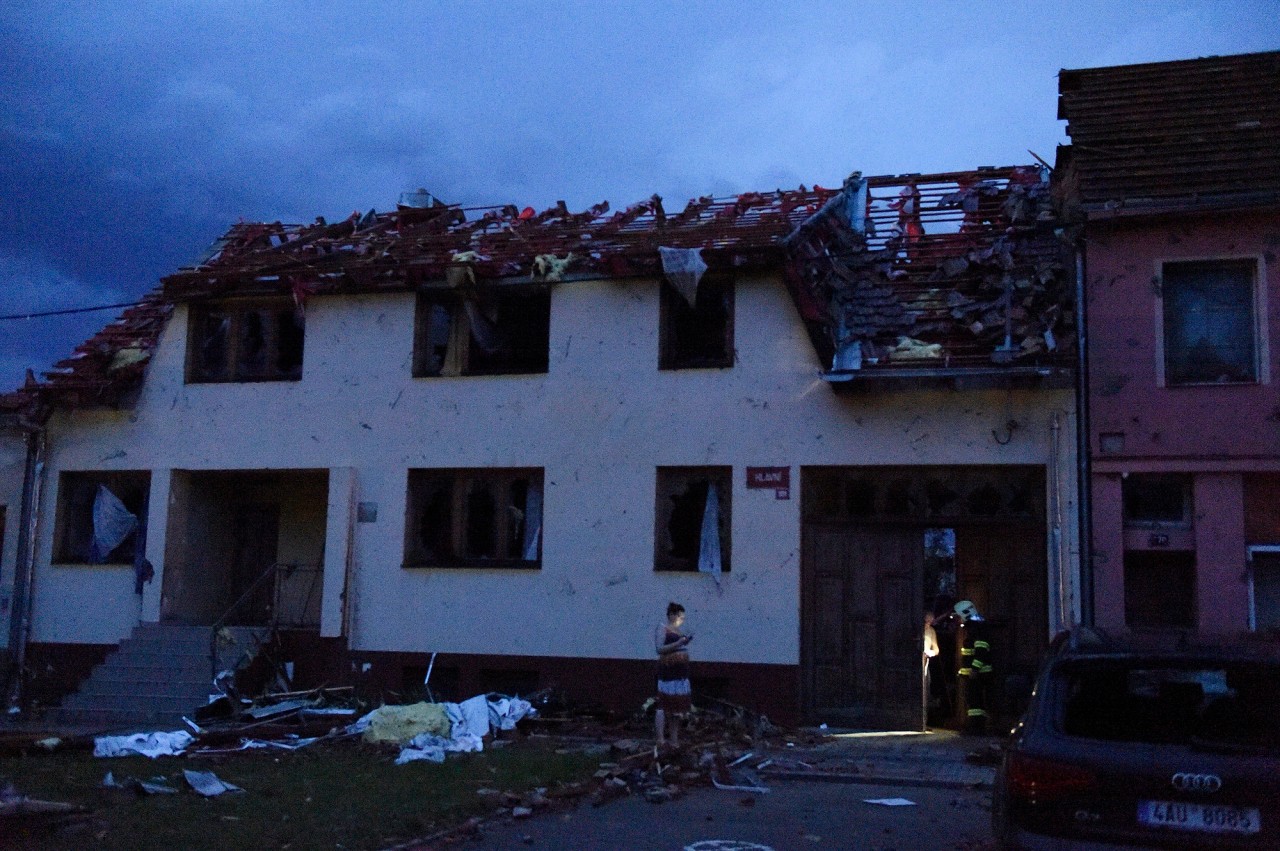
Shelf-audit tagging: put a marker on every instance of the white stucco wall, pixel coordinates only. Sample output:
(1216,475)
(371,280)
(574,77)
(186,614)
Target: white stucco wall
(13,455)
(598,422)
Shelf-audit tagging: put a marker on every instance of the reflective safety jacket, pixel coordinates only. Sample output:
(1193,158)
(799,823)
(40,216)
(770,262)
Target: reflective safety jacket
(975,649)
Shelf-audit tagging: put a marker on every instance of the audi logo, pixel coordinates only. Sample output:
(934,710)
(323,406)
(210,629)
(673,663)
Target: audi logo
(1186,782)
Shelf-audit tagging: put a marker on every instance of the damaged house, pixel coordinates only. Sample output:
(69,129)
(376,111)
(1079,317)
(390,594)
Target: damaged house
(494,443)
(1174,169)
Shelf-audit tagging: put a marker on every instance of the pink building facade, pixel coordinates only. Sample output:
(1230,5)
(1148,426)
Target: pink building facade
(1173,175)
(1185,463)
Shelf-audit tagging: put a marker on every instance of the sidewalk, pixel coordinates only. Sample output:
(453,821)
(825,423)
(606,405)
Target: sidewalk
(934,759)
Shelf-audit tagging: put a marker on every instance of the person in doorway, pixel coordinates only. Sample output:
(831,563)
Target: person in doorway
(942,669)
(673,676)
(929,663)
(975,669)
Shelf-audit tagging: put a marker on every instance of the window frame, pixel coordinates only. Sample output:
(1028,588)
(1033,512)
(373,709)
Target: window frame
(520,299)
(671,306)
(460,482)
(132,487)
(667,482)
(237,311)
(1185,481)
(1258,323)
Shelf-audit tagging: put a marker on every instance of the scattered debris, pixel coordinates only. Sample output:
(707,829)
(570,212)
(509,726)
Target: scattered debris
(207,784)
(27,822)
(143,744)
(14,805)
(889,802)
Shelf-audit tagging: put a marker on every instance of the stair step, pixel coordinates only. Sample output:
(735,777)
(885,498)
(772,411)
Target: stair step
(115,719)
(159,673)
(137,702)
(175,688)
(151,673)
(157,644)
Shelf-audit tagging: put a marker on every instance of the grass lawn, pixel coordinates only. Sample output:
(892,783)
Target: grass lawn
(338,795)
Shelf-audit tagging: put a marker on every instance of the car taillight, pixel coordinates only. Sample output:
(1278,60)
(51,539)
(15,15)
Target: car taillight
(1038,780)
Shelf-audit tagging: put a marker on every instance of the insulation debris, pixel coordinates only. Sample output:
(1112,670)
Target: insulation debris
(548,267)
(398,724)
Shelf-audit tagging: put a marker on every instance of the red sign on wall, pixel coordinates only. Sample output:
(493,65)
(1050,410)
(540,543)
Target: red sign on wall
(777,479)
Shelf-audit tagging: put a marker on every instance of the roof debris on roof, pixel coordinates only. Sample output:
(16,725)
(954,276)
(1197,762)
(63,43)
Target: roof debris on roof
(415,246)
(947,270)
(108,368)
(1200,131)
(930,270)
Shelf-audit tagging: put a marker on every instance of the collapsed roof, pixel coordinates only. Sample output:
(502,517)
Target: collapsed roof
(919,270)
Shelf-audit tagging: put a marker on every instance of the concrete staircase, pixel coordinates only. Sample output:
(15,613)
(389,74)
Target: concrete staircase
(159,673)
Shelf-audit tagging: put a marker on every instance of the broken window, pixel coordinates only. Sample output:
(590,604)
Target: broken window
(1210,327)
(699,334)
(246,341)
(98,515)
(693,519)
(474,518)
(1156,500)
(497,331)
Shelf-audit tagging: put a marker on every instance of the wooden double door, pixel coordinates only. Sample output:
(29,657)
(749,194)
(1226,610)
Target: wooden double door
(862,609)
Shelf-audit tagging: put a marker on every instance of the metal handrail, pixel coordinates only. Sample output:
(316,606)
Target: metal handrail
(273,572)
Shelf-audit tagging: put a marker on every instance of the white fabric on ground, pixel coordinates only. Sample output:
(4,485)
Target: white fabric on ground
(506,711)
(469,717)
(143,744)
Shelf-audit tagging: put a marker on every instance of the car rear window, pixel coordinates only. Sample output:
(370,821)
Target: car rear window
(1229,705)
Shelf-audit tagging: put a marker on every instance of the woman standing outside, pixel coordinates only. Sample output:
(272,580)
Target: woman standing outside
(673,676)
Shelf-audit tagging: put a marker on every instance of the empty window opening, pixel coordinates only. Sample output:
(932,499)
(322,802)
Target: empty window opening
(474,518)
(98,516)
(1264,591)
(698,335)
(252,341)
(498,331)
(693,519)
(1156,500)
(1159,589)
(1210,328)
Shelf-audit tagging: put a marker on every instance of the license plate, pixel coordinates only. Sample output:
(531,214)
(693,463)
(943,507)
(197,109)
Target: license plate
(1206,818)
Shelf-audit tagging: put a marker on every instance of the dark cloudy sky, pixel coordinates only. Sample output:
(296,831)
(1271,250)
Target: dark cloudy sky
(133,133)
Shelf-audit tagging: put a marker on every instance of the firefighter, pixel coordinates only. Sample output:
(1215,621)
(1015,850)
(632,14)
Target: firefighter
(975,669)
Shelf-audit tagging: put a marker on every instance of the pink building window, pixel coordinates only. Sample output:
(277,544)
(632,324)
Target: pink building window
(1210,327)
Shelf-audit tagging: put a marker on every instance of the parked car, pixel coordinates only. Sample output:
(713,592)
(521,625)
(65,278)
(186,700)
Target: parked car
(1155,741)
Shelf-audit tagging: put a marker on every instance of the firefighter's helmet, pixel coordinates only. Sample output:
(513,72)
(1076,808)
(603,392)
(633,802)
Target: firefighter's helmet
(967,611)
